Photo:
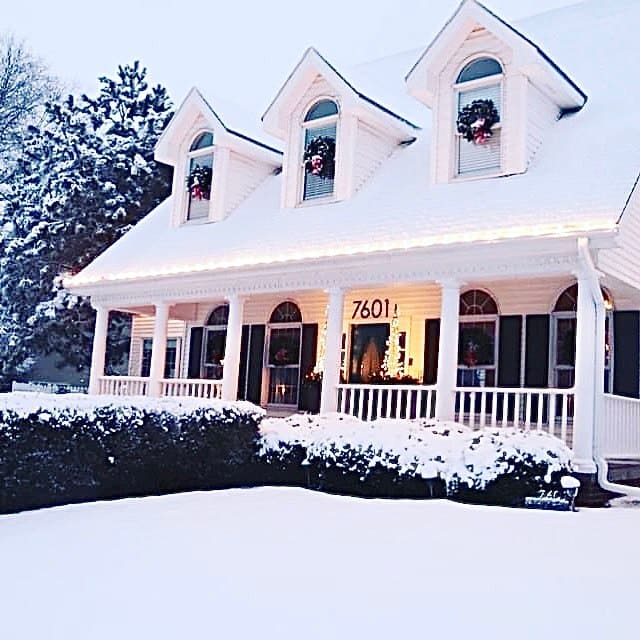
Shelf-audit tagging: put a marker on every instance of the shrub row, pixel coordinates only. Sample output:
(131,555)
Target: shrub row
(51,456)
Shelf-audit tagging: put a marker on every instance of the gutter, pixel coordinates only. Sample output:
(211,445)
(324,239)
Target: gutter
(603,481)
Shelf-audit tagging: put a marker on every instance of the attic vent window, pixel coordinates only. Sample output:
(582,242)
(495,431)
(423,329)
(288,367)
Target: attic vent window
(320,133)
(199,176)
(479,84)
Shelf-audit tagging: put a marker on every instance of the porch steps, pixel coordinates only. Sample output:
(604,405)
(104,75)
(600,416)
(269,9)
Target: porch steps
(624,471)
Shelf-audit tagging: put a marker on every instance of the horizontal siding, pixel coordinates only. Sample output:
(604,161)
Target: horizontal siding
(142,327)
(244,177)
(372,149)
(541,114)
(624,262)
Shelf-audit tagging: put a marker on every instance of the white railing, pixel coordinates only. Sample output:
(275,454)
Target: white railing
(618,430)
(123,386)
(373,401)
(193,388)
(549,410)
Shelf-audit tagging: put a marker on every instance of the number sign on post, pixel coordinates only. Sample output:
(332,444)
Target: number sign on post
(368,309)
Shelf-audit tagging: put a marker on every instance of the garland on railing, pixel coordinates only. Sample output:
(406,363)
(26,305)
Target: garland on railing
(476,120)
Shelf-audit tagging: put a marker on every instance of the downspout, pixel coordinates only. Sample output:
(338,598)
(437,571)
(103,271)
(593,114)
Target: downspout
(593,278)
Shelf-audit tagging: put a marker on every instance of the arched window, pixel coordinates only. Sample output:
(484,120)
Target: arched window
(284,335)
(478,117)
(477,342)
(199,176)
(214,343)
(563,338)
(319,154)
(286,312)
(219,316)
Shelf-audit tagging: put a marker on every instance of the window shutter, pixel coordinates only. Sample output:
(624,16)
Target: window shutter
(308,356)
(254,368)
(431,347)
(244,361)
(509,349)
(536,359)
(480,158)
(626,353)
(315,186)
(195,352)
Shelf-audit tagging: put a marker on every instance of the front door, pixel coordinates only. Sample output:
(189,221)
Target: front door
(283,364)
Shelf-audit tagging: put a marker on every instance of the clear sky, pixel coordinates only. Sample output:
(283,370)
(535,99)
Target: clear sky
(240,49)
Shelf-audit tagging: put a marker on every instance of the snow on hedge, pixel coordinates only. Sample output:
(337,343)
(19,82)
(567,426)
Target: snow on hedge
(420,448)
(25,403)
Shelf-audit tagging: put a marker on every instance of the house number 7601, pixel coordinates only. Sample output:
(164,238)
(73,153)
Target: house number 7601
(375,308)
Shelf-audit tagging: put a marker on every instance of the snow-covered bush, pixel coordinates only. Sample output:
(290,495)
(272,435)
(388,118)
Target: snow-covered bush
(71,448)
(499,466)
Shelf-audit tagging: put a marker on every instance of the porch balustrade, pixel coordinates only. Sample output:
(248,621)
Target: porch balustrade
(549,410)
(618,432)
(123,386)
(193,388)
(169,387)
(373,401)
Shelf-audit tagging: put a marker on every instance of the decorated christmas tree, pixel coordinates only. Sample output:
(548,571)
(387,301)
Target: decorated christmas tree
(322,341)
(392,366)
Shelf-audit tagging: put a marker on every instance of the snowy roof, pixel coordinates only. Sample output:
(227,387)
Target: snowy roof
(581,177)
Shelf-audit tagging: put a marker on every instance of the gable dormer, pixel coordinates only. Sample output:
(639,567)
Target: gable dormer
(479,69)
(217,161)
(334,136)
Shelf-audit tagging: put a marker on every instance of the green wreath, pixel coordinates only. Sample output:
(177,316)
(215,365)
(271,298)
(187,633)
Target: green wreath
(320,157)
(476,120)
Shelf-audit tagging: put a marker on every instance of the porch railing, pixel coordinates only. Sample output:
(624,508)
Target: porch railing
(373,401)
(193,388)
(123,386)
(618,431)
(549,410)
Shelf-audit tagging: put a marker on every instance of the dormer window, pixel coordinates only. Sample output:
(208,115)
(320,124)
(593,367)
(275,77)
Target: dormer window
(319,156)
(478,128)
(199,176)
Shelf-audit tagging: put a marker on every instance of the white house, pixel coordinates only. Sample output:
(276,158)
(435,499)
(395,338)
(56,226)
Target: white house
(483,191)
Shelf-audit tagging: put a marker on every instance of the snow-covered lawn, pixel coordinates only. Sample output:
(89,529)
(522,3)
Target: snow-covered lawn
(289,563)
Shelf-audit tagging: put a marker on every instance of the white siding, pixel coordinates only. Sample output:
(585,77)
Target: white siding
(243,177)
(541,114)
(624,262)
(372,149)
(142,327)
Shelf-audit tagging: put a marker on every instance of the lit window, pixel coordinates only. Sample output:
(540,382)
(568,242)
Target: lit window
(199,177)
(477,339)
(319,154)
(478,126)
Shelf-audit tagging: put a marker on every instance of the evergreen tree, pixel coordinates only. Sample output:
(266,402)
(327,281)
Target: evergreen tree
(85,177)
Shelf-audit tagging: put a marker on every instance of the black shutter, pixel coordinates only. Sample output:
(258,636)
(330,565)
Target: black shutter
(536,359)
(195,352)
(307,363)
(509,351)
(254,367)
(431,346)
(626,353)
(244,359)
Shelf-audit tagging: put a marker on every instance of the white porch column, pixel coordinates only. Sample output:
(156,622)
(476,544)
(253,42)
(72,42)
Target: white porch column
(231,369)
(158,349)
(99,351)
(585,381)
(448,351)
(333,345)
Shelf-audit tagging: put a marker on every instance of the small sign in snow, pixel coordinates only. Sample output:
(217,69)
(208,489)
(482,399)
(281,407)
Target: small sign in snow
(556,500)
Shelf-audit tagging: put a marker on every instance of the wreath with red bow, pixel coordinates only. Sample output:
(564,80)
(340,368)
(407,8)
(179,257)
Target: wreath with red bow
(320,157)
(476,120)
(199,183)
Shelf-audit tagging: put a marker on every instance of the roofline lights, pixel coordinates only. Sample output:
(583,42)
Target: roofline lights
(508,233)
